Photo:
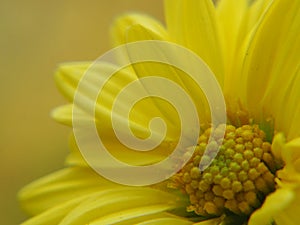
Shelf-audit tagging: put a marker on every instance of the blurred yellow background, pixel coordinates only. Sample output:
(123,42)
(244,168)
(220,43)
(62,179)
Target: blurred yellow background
(35,37)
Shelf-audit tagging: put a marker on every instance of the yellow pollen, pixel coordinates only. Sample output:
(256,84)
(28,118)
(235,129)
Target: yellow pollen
(238,178)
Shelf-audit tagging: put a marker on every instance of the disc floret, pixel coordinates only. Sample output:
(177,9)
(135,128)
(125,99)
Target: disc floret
(237,179)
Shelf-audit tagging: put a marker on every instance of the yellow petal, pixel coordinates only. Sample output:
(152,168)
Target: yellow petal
(166,220)
(274,203)
(157,218)
(139,32)
(153,69)
(115,205)
(287,152)
(289,215)
(278,145)
(272,61)
(66,84)
(247,16)
(55,214)
(193,25)
(291,116)
(61,186)
(121,26)
(141,215)
(120,152)
(68,76)
(291,151)
(215,221)
(255,12)
(63,114)
(230,15)
(75,157)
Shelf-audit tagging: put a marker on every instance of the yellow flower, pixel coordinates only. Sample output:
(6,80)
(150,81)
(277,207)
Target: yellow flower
(253,50)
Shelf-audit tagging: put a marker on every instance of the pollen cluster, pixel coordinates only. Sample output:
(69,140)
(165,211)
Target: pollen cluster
(237,179)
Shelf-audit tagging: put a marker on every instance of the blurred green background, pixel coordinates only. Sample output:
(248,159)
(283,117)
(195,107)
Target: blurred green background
(35,37)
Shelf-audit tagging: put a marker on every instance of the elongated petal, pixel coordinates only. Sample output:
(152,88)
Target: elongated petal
(68,77)
(158,218)
(272,62)
(163,221)
(112,206)
(253,15)
(193,24)
(55,214)
(237,21)
(139,32)
(140,215)
(59,187)
(290,119)
(55,197)
(120,152)
(230,15)
(171,73)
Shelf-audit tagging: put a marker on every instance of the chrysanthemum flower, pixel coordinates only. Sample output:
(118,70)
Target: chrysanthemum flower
(253,48)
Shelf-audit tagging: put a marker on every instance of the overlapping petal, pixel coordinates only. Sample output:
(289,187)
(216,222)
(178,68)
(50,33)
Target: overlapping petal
(231,38)
(193,24)
(78,195)
(271,64)
(261,67)
(60,187)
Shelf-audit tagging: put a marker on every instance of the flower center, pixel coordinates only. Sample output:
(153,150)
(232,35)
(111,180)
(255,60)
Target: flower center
(238,178)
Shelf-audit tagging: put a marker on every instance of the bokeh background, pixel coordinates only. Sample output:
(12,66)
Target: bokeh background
(35,37)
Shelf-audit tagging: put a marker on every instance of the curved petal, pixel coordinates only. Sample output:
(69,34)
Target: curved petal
(170,72)
(55,214)
(79,196)
(166,220)
(287,153)
(291,154)
(131,157)
(271,63)
(274,203)
(282,206)
(289,215)
(158,218)
(62,186)
(68,77)
(237,21)
(116,205)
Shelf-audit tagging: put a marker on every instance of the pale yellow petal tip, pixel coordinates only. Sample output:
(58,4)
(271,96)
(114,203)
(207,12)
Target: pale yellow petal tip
(273,204)
(63,114)
(123,24)
(72,68)
(74,65)
(68,75)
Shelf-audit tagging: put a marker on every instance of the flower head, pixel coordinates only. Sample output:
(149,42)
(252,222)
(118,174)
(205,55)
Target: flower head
(253,50)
